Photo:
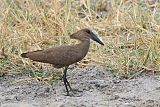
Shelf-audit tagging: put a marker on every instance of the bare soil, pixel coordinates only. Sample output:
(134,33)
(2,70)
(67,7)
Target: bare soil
(97,86)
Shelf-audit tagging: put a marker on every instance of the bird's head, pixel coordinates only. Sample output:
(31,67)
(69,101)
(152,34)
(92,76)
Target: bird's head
(86,34)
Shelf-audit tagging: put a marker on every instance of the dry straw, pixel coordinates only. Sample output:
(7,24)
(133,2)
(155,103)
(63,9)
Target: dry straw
(129,29)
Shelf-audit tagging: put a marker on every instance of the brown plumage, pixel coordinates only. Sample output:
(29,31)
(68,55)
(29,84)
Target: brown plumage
(63,56)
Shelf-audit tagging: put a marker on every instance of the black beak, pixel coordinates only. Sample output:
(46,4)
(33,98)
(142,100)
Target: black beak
(95,38)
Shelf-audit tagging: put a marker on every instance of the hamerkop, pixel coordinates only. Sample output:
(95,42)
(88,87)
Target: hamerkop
(63,56)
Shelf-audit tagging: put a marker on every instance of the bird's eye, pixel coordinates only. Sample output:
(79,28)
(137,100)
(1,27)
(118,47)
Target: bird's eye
(88,31)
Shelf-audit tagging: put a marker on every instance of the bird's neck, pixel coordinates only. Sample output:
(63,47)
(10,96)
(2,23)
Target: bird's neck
(83,46)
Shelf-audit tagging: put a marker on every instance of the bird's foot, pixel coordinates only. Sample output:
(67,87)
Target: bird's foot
(68,94)
(74,93)
(76,90)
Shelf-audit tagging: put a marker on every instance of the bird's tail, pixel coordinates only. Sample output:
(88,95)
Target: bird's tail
(24,55)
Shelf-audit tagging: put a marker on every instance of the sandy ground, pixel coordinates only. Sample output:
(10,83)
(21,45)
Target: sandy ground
(97,88)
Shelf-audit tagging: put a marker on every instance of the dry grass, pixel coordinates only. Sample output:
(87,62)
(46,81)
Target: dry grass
(129,28)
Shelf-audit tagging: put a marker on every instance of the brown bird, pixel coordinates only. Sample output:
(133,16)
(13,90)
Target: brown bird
(63,56)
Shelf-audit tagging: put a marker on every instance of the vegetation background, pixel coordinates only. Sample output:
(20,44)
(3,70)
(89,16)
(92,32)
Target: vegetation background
(130,30)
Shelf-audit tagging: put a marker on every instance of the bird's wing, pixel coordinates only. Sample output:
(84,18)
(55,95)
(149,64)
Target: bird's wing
(58,56)
(63,55)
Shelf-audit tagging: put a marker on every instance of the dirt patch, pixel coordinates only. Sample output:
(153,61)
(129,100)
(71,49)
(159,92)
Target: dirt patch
(99,89)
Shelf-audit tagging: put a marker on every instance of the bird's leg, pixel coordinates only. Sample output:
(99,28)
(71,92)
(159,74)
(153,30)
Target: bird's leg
(66,81)
(68,85)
